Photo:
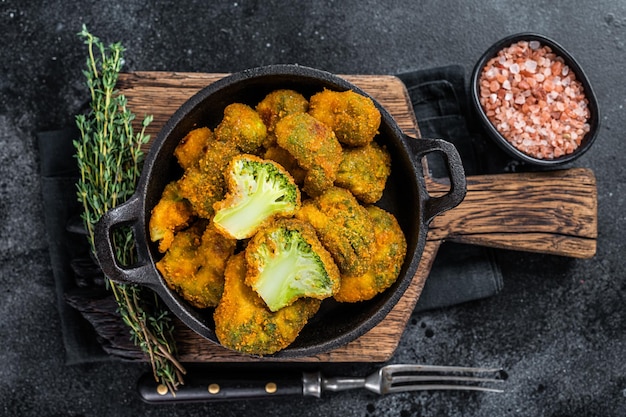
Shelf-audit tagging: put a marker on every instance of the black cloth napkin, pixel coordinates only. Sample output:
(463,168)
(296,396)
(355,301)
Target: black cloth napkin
(67,247)
(460,273)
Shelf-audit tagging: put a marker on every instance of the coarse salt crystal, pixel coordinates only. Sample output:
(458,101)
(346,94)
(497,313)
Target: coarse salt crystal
(531,65)
(534,45)
(514,68)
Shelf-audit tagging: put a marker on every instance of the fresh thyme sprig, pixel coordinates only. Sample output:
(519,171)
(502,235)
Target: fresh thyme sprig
(109,157)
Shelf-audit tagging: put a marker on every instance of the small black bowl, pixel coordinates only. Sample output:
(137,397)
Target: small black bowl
(594,118)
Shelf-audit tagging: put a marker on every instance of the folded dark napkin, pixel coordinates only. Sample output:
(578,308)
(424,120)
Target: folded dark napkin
(460,273)
(59,173)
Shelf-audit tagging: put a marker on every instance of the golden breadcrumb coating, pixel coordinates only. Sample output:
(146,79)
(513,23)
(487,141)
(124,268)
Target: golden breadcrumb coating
(354,118)
(314,146)
(389,252)
(194,264)
(244,324)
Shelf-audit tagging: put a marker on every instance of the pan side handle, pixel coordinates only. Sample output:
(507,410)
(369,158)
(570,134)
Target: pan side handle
(435,205)
(126,214)
(552,212)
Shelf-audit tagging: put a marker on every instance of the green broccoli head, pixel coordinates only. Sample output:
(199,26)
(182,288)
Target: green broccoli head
(286,262)
(259,190)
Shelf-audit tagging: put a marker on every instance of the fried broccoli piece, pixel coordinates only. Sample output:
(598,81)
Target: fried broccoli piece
(193,146)
(388,256)
(244,324)
(287,161)
(258,191)
(353,117)
(343,226)
(314,146)
(364,171)
(286,262)
(276,105)
(204,184)
(194,264)
(242,126)
(171,214)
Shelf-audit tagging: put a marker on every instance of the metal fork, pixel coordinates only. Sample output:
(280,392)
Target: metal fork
(214,385)
(400,378)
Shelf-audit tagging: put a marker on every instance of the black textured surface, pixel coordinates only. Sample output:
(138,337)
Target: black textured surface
(558,325)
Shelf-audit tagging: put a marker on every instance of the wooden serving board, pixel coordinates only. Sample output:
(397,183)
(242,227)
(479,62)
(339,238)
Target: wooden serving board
(551,212)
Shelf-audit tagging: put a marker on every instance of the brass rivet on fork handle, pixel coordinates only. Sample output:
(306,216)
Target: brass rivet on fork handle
(162,389)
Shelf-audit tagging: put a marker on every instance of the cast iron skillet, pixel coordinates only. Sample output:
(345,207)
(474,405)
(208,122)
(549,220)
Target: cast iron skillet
(405,196)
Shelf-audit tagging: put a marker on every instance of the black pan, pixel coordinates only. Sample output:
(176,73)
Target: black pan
(405,196)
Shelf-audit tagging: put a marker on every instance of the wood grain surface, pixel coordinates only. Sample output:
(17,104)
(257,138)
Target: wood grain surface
(548,212)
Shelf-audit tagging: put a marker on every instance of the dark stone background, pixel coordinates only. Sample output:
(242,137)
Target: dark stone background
(558,326)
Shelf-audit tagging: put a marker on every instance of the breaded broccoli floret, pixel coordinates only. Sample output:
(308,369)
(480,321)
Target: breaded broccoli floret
(354,118)
(388,256)
(194,264)
(286,262)
(171,214)
(258,191)
(203,184)
(244,324)
(242,126)
(364,171)
(193,146)
(314,146)
(344,227)
(276,105)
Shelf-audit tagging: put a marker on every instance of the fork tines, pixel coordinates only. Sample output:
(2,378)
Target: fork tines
(400,378)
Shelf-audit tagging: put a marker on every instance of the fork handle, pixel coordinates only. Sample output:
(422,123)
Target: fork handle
(215,386)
